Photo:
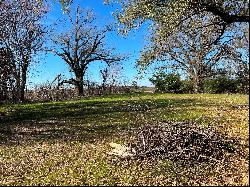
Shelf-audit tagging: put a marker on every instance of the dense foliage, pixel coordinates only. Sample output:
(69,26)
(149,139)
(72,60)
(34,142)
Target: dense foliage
(220,85)
(223,84)
(170,83)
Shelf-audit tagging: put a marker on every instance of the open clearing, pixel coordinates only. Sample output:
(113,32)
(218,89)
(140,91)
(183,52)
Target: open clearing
(67,143)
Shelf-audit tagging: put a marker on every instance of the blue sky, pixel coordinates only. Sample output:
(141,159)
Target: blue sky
(50,66)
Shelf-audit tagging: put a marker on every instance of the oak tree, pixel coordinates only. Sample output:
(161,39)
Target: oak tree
(83,44)
(192,50)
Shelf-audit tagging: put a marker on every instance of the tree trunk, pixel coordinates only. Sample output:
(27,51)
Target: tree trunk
(198,85)
(79,83)
(16,86)
(79,86)
(3,90)
(23,81)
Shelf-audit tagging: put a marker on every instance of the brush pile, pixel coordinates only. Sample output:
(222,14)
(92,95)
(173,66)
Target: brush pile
(182,141)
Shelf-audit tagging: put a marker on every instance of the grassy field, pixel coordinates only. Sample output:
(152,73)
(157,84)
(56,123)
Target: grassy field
(67,143)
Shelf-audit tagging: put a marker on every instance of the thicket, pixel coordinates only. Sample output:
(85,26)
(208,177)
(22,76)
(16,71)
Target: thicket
(172,83)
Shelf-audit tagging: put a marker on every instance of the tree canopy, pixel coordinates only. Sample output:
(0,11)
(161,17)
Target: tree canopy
(168,14)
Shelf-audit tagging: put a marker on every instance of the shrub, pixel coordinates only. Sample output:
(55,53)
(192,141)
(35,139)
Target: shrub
(243,85)
(221,84)
(186,87)
(169,83)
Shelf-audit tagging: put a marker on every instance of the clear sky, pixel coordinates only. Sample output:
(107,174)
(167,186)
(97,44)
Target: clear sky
(50,66)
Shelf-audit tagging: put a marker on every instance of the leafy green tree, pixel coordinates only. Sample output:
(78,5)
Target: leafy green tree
(170,83)
(221,84)
(189,33)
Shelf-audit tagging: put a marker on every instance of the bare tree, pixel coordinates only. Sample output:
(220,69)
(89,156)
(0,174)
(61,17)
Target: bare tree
(22,33)
(111,76)
(83,44)
(104,75)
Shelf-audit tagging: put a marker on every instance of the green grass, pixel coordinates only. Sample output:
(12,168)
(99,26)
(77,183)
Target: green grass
(67,143)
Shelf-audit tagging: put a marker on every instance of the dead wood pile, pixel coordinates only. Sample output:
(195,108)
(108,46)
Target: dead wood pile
(182,141)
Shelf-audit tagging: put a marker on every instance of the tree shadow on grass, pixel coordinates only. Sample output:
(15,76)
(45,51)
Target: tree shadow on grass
(27,134)
(82,110)
(80,121)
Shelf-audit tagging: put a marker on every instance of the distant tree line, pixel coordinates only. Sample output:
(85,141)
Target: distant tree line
(220,83)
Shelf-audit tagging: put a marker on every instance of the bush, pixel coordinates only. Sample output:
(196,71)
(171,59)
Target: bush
(169,83)
(243,85)
(186,87)
(221,85)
